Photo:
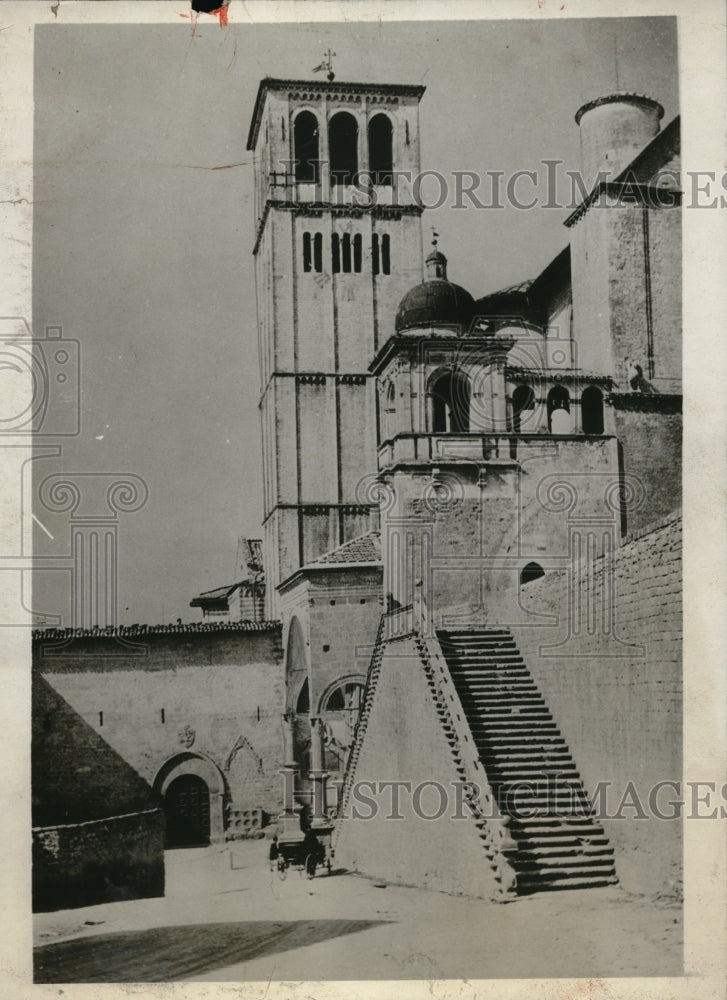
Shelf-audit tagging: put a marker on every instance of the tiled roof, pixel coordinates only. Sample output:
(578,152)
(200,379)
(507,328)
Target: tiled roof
(364,549)
(130,631)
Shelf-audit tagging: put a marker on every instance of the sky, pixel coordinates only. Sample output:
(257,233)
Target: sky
(143,234)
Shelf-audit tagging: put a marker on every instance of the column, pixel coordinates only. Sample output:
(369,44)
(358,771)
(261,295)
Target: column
(319,775)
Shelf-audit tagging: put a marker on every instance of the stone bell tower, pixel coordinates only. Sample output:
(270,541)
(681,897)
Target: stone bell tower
(337,243)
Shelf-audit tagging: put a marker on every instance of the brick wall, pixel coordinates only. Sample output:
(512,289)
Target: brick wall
(620,711)
(217,695)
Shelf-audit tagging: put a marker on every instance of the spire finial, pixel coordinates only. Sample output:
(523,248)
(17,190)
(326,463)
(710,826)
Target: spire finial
(326,66)
(435,237)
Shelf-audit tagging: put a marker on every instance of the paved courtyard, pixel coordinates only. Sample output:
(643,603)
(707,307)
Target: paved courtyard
(227,918)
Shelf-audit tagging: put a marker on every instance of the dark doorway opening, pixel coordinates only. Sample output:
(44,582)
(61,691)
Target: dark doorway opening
(187,809)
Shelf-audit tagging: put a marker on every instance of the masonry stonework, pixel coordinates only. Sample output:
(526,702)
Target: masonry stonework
(618,698)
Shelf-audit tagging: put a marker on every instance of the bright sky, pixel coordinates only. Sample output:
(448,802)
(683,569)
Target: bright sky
(144,228)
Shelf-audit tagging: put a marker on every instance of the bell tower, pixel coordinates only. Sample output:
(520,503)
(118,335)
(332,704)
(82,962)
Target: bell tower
(337,244)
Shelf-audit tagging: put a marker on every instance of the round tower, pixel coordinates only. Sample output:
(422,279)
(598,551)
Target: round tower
(613,130)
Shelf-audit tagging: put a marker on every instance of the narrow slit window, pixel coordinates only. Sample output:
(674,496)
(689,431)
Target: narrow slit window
(318,252)
(100,718)
(335,253)
(346,253)
(375,265)
(306,252)
(357,241)
(385,258)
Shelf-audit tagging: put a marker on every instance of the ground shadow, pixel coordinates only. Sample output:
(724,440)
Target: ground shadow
(164,954)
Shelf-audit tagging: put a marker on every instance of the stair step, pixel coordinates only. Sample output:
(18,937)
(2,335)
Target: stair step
(555,826)
(563,843)
(575,870)
(529,767)
(552,885)
(574,850)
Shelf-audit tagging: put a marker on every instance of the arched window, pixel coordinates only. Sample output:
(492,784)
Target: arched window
(381,156)
(318,252)
(343,147)
(450,407)
(533,571)
(357,245)
(559,421)
(523,398)
(592,410)
(389,411)
(305,140)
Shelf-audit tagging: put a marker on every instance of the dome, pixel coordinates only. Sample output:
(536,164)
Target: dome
(436,302)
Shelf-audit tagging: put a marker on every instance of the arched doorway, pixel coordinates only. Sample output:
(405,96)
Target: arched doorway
(192,790)
(187,810)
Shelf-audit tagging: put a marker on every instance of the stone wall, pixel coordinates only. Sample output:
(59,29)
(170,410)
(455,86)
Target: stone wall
(618,699)
(404,741)
(215,695)
(98,831)
(101,861)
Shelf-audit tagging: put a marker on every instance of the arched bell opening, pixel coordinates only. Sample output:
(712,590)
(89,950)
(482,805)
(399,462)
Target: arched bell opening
(449,395)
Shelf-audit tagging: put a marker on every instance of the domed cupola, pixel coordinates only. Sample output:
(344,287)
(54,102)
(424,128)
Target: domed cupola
(436,301)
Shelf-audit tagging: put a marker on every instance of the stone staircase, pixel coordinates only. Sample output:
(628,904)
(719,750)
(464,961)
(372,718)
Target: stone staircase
(529,768)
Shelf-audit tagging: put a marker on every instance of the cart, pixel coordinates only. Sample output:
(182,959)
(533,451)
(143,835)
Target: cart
(305,857)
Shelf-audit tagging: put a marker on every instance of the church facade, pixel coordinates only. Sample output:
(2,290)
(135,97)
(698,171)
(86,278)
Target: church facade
(471,532)
(433,460)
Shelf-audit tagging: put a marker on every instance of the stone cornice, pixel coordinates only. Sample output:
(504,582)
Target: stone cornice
(332,90)
(626,193)
(315,209)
